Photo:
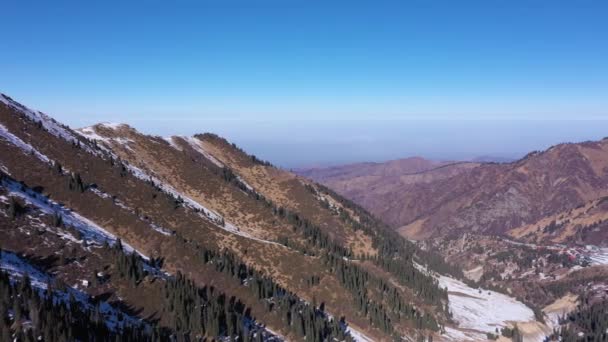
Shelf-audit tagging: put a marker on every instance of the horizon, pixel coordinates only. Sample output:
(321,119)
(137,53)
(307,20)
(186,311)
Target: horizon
(497,139)
(309,83)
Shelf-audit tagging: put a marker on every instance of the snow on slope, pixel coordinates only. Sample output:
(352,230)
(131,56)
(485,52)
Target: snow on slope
(62,132)
(213,216)
(18,267)
(599,257)
(205,212)
(357,335)
(89,229)
(172,143)
(198,147)
(25,147)
(90,133)
(141,174)
(47,122)
(483,310)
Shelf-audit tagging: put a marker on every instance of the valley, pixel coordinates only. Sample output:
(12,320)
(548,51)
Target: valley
(114,217)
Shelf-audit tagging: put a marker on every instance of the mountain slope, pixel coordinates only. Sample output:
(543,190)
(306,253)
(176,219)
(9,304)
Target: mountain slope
(382,188)
(199,213)
(495,198)
(516,198)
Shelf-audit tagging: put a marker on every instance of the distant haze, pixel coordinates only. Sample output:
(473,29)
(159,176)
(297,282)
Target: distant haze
(305,143)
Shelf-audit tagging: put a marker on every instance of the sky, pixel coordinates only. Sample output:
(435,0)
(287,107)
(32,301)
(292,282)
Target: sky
(320,82)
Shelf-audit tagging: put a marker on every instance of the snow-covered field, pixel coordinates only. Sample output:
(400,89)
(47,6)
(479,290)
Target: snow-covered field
(599,257)
(482,310)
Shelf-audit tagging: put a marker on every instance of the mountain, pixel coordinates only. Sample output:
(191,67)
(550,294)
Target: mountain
(383,188)
(554,195)
(143,237)
(498,198)
(492,159)
(387,169)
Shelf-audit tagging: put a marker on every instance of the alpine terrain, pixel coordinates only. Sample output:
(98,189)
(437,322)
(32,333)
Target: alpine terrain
(108,233)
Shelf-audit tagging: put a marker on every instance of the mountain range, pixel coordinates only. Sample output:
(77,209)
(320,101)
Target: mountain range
(109,233)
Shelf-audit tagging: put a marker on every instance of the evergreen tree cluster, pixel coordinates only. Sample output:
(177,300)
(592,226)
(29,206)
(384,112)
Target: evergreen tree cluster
(396,255)
(199,312)
(27,314)
(129,266)
(15,208)
(204,312)
(389,306)
(75,183)
(308,322)
(588,323)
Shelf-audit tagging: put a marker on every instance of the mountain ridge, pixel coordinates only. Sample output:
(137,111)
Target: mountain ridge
(190,214)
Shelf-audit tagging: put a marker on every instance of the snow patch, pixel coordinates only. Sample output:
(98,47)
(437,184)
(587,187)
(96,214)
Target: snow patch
(599,256)
(91,133)
(242,181)
(18,267)
(25,147)
(172,142)
(357,335)
(112,125)
(122,205)
(197,146)
(89,229)
(48,123)
(4,169)
(141,174)
(483,310)
(455,335)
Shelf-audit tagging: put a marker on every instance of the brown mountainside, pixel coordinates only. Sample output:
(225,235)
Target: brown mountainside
(495,198)
(382,188)
(202,208)
(489,198)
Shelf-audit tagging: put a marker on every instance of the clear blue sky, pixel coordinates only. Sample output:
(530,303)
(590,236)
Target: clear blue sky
(231,66)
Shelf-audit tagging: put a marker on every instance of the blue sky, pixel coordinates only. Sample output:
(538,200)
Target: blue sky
(358,71)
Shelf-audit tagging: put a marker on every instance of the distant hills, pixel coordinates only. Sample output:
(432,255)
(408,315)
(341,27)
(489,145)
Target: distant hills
(422,198)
